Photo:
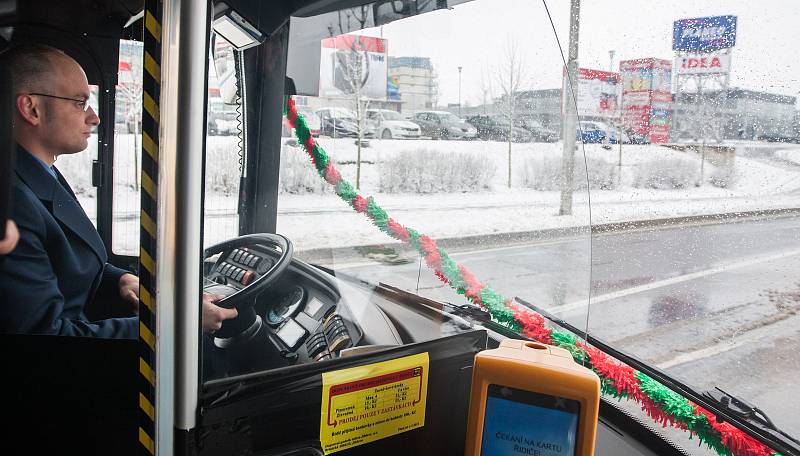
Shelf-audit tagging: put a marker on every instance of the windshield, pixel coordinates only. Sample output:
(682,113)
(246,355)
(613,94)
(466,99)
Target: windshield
(341,113)
(305,111)
(448,118)
(502,121)
(655,208)
(391,115)
(439,210)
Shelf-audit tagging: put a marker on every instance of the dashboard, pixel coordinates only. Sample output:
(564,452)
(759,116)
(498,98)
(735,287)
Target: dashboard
(300,318)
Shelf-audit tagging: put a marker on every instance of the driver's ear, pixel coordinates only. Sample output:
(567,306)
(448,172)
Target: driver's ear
(29,109)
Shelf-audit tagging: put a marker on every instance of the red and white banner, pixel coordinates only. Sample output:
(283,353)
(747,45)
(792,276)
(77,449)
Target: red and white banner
(353,64)
(598,93)
(713,63)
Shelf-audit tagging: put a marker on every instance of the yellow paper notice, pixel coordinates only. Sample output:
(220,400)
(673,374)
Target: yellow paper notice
(367,403)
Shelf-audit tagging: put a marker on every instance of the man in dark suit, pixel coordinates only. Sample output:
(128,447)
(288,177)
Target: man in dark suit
(60,262)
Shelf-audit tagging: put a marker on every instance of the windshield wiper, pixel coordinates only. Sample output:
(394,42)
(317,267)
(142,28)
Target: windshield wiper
(743,409)
(468,311)
(766,434)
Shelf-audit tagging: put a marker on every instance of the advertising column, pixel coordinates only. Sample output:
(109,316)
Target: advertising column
(661,101)
(647,99)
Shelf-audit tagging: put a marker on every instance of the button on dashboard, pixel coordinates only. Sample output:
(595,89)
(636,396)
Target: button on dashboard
(263,266)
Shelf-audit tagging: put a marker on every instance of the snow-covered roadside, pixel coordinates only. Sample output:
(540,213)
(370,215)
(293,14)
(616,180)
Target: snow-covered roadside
(321,221)
(336,225)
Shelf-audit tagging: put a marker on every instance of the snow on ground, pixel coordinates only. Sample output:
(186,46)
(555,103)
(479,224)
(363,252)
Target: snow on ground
(791,155)
(321,221)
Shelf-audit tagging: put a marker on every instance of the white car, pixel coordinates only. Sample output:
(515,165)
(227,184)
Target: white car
(390,125)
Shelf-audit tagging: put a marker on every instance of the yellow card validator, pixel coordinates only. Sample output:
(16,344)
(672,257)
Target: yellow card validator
(368,403)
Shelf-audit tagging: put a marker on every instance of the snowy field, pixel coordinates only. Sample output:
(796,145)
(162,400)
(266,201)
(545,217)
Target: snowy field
(653,182)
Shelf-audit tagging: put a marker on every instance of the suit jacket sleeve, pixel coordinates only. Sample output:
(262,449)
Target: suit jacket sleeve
(107,302)
(112,274)
(32,302)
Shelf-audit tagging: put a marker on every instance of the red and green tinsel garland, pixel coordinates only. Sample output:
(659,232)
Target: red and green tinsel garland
(617,378)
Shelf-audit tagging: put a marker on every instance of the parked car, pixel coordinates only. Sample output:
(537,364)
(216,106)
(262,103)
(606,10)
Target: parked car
(221,119)
(498,128)
(341,122)
(539,132)
(389,124)
(777,137)
(443,125)
(596,132)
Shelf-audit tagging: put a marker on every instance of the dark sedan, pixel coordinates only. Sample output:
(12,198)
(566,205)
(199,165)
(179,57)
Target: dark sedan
(497,128)
(341,123)
(443,125)
(539,132)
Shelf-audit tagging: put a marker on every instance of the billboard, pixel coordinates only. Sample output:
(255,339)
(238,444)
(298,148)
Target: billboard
(646,75)
(598,92)
(393,89)
(713,63)
(353,64)
(704,34)
(647,98)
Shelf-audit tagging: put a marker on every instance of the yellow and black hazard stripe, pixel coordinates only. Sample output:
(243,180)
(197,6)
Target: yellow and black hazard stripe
(149,219)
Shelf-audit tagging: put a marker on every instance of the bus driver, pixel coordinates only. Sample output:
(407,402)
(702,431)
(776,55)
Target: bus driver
(59,265)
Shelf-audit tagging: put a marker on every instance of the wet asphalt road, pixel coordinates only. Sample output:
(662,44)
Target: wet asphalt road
(716,305)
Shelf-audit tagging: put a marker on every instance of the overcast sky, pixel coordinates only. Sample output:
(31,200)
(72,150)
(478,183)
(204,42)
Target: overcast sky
(475,35)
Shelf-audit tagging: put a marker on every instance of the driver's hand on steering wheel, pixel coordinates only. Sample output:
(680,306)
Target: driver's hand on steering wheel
(214,315)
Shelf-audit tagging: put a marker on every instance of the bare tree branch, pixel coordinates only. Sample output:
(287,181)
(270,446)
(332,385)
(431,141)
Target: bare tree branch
(510,76)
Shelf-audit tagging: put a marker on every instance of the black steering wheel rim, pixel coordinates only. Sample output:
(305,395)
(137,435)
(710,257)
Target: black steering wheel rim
(244,297)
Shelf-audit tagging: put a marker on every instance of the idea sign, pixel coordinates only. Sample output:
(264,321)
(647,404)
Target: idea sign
(703,64)
(704,34)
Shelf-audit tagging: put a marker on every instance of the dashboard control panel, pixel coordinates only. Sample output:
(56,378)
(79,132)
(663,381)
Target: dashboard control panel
(299,312)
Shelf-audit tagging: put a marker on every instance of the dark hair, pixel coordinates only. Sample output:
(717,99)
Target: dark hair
(28,65)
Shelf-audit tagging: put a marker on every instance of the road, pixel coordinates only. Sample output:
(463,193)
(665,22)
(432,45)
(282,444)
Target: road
(714,304)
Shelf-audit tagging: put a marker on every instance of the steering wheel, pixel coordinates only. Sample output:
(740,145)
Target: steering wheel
(248,321)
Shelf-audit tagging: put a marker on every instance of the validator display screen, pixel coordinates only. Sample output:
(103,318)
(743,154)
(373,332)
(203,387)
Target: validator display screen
(519,422)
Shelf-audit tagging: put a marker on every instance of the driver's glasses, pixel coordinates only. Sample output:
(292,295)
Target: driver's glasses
(82,104)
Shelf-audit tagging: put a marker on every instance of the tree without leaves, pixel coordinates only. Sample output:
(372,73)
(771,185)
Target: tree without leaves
(354,64)
(509,77)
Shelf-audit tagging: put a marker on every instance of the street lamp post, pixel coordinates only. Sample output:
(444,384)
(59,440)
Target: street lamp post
(611,120)
(459,91)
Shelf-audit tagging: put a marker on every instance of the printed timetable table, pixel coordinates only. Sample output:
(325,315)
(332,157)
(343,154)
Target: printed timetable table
(368,403)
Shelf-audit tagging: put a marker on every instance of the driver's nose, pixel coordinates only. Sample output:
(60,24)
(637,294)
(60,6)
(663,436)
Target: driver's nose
(92,117)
